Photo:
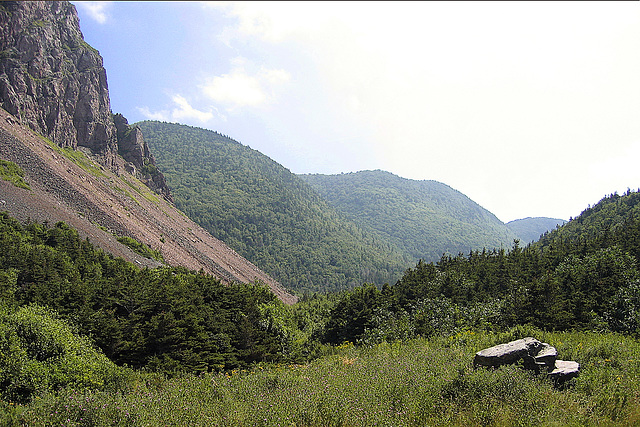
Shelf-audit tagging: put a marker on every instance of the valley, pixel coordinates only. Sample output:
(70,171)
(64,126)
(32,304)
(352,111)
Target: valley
(164,274)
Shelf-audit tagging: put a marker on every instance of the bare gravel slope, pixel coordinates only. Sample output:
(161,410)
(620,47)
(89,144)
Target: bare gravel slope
(92,199)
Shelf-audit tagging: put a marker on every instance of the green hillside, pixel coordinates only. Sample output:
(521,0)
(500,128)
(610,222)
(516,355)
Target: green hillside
(530,230)
(267,214)
(424,219)
(613,221)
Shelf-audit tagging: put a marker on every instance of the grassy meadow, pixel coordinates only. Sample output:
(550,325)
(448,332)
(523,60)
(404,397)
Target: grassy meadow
(422,382)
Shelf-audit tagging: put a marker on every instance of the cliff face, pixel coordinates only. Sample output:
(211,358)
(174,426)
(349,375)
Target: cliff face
(52,81)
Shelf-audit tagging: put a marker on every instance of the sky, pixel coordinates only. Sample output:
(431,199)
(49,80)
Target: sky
(528,108)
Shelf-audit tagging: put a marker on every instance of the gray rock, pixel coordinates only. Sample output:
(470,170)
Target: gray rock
(546,356)
(511,352)
(52,81)
(534,354)
(564,370)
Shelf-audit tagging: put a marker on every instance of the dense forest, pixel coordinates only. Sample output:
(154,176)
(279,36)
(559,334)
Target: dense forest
(423,219)
(582,276)
(267,214)
(166,319)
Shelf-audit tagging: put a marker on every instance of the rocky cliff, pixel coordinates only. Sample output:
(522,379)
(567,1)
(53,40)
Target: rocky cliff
(52,81)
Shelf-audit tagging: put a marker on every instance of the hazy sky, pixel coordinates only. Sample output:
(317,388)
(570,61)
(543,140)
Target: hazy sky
(528,108)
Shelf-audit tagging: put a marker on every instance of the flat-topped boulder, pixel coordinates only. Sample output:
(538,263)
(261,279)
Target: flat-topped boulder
(564,370)
(534,355)
(546,356)
(509,353)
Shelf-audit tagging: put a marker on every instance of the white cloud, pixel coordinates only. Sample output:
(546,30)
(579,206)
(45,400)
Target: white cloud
(182,112)
(162,116)
(239,88)
(480,95)
(274,21)
(185,111)
(98,10)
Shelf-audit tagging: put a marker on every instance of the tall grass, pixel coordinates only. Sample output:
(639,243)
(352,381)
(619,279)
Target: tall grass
(417,383)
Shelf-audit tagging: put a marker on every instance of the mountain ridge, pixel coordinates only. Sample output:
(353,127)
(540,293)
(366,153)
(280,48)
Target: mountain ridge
(530,229)
(423,218)
(266,213)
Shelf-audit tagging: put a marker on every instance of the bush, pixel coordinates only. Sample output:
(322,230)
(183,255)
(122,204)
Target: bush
(40,352)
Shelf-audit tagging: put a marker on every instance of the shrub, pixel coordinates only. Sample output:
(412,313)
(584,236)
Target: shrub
(40,352)
(11,172)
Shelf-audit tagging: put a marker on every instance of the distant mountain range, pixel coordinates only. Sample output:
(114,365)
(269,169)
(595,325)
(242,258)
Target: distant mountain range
(530,230)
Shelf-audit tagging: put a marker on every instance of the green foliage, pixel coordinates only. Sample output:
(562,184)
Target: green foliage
(423,219)
(624,313)
(167,320)
(267,214)
(11,172)
(141,248)
(586,281)
(40,352)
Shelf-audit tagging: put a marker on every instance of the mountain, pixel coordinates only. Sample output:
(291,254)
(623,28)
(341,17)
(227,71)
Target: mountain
(423,219)
(267,214)
(53,82)
(77,162)
(530,229)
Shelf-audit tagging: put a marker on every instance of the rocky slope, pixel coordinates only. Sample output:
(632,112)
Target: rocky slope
(52,81)
(71,186)
(86,166)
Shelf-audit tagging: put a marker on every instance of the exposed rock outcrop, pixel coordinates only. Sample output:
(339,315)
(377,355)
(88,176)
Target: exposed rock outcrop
(52,81)
(54,84)
(140,161)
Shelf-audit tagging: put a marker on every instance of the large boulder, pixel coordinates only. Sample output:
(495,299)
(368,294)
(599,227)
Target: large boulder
(534,355)
(564,370)
(509,353)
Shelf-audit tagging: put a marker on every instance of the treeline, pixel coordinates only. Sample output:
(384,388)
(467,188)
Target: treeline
(72,315)
(582,276)
(267,214)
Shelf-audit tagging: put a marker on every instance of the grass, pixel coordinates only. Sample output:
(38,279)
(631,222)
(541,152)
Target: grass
(11,172)
(417,383)
(77,157)
(142,189)
(140,248)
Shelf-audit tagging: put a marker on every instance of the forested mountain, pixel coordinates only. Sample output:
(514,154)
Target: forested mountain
(424,219)
(583,275)
(269,215)
(530,230)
